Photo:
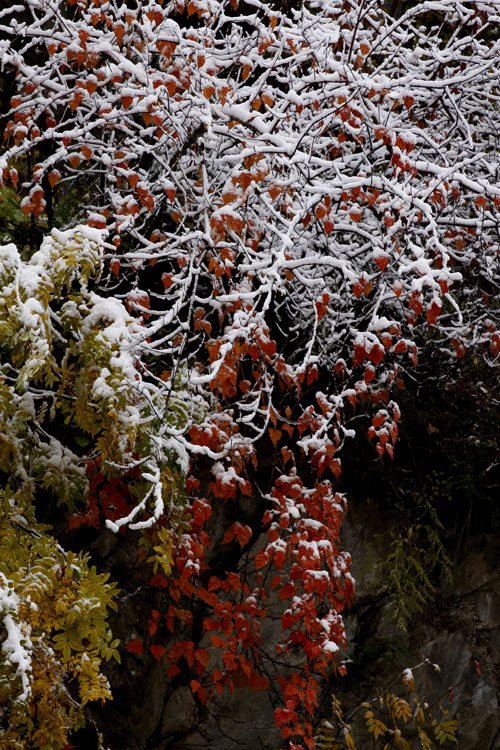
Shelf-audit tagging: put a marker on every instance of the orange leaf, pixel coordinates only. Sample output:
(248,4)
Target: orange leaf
(274,191)
(119,30)
(245,180)
(54,178)
(382,261)
(261,559)
(228,197)
(335,467)
(243,533)
(275,435)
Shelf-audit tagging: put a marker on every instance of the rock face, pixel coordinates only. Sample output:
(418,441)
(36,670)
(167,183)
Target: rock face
(460,632)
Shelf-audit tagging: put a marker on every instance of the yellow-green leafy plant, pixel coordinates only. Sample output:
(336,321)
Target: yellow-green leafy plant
(73,396)
(390,721)
(54,631)
(71,365)
(415,553)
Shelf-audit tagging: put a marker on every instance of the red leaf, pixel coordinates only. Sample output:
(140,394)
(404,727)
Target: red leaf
(234,581)
(159,581)
(376,354)
(359,354)
(208,598)
(432,312)
(284,716)
(258,682)
(201,656)
(134,646)
(153,622)
(369,374)
(214,583)
(218,642)
(287,591)
(157,651)
(197,688)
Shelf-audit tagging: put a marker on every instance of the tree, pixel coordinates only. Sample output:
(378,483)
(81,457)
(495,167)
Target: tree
(69,381)
(299,200)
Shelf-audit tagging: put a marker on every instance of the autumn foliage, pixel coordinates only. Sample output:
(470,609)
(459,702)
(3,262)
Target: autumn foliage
(294,202)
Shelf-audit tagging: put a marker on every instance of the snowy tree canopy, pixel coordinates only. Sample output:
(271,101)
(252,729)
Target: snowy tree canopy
(257,217)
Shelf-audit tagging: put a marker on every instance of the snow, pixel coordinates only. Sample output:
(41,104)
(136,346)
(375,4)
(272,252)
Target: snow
(17,645)
(32,313)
